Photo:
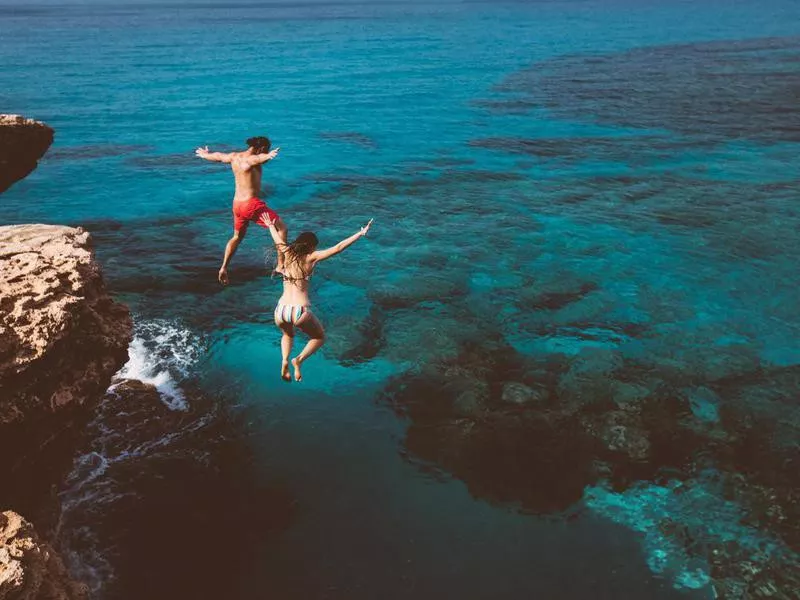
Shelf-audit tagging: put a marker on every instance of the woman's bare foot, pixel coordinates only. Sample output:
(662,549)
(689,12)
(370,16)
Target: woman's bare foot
(285,371)
(298,376)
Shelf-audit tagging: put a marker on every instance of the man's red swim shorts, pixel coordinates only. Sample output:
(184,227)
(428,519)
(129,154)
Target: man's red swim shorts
(245,211)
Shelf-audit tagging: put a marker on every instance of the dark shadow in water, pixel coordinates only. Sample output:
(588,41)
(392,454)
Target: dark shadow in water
(30,481)
(630,150)
(711,90)
(90,152)
(186,263)
(351,137)
(177,508)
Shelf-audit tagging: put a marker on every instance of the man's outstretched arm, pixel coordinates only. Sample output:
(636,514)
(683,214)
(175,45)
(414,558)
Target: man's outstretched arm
(260,159)
(213,156)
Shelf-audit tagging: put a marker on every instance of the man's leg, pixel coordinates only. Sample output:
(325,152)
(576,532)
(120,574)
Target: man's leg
(230,250)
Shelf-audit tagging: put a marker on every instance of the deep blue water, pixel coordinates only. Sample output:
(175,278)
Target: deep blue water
(591,185)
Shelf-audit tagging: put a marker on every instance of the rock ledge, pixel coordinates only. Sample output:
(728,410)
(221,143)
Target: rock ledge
(22,143)
(62,337)
(29,568)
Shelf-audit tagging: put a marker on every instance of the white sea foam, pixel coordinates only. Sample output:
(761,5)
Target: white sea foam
(162,353)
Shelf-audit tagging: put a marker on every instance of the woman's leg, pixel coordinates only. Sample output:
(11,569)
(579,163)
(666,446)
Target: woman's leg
(287,340)
(310,325)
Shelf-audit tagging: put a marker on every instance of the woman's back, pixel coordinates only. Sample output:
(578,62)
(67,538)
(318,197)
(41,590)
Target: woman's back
(297,280)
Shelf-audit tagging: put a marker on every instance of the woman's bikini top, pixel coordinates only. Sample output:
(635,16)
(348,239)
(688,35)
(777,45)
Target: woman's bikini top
(304,278)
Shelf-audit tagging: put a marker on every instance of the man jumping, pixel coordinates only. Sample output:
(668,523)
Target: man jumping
(247,206)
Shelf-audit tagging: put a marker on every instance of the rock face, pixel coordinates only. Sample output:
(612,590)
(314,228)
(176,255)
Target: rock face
(62,337)
(29,568)
(22,143)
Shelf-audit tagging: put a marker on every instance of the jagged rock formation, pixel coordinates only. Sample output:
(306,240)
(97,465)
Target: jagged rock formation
(29,568)
(22,143)
(62,337)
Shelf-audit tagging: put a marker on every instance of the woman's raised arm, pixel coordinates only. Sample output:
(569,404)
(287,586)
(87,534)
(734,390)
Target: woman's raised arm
(280,243)
(333,250)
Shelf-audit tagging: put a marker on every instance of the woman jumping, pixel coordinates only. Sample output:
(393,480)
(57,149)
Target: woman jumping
(294,308)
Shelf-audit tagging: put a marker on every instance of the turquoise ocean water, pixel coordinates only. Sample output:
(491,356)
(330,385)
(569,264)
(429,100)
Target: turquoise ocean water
(581,184)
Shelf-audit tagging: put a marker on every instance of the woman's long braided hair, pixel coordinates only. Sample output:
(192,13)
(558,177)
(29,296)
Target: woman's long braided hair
(295,252)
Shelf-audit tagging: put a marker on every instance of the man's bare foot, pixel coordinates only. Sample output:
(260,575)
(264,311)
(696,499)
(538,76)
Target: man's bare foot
(298,376)
(285,371)
(223,276)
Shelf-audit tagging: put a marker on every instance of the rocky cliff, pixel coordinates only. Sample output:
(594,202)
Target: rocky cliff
(62,337)
(22,143)
(29,568)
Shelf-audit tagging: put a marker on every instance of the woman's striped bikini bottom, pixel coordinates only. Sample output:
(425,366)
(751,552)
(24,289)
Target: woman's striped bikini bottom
(290,313)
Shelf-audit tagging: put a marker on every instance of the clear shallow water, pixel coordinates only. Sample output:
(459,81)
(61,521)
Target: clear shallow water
(582,184)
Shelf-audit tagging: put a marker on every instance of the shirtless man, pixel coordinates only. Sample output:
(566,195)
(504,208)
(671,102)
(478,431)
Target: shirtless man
(247,206)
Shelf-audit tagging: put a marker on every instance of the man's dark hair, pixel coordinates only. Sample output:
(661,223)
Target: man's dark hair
(260,144)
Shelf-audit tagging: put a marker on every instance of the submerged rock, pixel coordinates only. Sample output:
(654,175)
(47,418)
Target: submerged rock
(29,568)
(518,393)
(688,88)
(22,143)
(601,429)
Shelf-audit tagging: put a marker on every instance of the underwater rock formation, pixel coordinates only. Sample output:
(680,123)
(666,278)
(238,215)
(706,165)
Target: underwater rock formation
(688,88)
(29,568)
(711,484)
(22,143)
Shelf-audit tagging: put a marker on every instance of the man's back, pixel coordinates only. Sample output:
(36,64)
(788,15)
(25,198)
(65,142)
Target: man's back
(247,177)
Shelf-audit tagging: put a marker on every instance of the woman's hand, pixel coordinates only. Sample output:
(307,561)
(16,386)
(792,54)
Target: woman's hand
(365,229)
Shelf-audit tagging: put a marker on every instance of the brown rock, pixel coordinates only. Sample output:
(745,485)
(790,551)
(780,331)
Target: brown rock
(520,394)
(29,568)
(620,432)
(22,143)
(61,336)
